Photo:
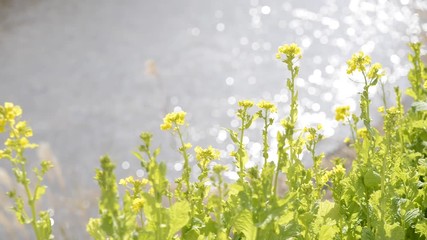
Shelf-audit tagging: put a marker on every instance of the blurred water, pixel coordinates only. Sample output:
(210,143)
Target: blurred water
(78,69)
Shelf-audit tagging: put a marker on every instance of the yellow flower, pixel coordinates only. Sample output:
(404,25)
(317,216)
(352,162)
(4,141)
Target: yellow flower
(24,142)
(325,177)
(381,109)
(21,129)
(2,124)
(376,71)
(319,126)
(246,103)
(311,137)
(286,124)
(127,180)
(425,84)
(393,110)
(358,62)
(165,126)
(267,106)
(122,182)
(185,146)
(11,111)
(347,140)
(177,118)
(204,156)
(362,133)
(289,50)
(342,112)
(138,204)
(339,170)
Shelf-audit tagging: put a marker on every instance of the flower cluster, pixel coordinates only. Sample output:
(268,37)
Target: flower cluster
(135,182)
(376,71)
(267,106)
(342,112)
(362,133)
(289,50)
(8,113)
(246,103)
(19,132)
(138,204)
(204,156)
(286,124)
(175,118)
(358,61)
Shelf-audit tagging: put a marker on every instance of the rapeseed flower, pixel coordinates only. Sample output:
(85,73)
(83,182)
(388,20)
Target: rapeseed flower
(267,106)
(339,171)
(2,124)
(126,181)
(21,129)
(174,118)
(204,156)
(311,137)
(289,50)
(138,204)
(358,61)
(376,71)
(342,112)
(286,124)
(11,111)
(362,132)
(246,103)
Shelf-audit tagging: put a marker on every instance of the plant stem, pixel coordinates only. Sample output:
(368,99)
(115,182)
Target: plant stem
(241,150)
(265,138)
(187,169)
(30,197)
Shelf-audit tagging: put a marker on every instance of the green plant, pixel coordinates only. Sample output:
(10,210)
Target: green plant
(15,145)
(383,195)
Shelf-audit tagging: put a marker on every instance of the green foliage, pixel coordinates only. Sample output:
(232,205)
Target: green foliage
(15,145)
(382,195)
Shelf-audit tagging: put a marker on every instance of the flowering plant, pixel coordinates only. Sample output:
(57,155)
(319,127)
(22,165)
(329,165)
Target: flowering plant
(381,194)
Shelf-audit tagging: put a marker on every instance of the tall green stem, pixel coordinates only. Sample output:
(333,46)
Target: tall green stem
(187,170)
(265,138)
(241,149)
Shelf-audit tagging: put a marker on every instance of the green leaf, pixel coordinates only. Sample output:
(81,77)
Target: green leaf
(179,217)
(93,228)
(411,215)
(328,232)
(367,234)
(410,92)
(244,223)
(285,218)
(371,179)
(394,232)
(421,228)
(419,106)
(420,124)
(233,136)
